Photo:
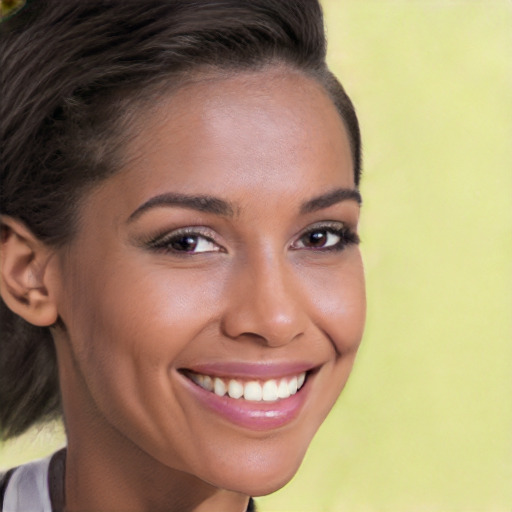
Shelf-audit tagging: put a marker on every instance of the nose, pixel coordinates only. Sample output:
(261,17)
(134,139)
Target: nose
(265,304)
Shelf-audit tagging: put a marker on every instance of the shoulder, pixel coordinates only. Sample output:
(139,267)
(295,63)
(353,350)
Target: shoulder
(5,476)
(26,487)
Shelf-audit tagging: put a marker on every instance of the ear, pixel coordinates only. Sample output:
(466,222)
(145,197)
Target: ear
(25,273)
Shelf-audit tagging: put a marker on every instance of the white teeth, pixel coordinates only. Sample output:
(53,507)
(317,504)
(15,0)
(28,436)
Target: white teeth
(283,391)
(270,391)
(254,391)
(207,383)
(235,389)
(219,388)
(292,385)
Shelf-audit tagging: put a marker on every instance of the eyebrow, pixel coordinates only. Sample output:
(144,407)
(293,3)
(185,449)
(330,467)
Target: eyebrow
(217,206)
(202,203)
(330,199)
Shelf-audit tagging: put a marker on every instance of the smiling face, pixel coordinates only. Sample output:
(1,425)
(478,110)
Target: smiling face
(210,278)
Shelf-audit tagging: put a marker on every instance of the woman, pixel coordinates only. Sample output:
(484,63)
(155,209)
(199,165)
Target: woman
(180,269)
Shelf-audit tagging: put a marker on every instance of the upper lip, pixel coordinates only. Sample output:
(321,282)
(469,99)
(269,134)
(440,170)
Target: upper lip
(251,370)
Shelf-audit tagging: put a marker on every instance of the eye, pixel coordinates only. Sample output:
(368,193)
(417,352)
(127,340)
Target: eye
(192,243)
(331,236)
(185,241)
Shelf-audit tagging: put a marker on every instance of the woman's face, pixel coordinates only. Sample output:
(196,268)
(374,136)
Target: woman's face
(222,259)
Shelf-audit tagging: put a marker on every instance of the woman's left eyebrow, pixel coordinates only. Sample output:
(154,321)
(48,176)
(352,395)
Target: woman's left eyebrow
(331,198)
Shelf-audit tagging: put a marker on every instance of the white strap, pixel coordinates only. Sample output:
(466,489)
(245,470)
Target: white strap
(27,490)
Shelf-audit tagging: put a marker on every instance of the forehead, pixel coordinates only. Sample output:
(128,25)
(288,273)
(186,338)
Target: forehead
(272,134)
(245,118)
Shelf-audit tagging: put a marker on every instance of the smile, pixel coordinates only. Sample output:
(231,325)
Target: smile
(270,390)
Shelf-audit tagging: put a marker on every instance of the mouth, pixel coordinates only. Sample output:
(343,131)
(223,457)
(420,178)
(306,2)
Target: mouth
(253,397)
(271,390)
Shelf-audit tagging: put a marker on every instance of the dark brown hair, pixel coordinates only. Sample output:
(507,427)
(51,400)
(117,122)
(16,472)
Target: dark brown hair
(73,73)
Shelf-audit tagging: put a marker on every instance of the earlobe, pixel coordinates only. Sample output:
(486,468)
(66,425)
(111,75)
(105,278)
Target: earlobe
(25,274)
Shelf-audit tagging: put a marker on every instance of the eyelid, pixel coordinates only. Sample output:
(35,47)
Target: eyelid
(332,225)
(161,240)
(326,224)
(347,235)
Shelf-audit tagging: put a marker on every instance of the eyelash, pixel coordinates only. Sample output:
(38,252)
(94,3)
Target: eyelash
(164,243)
(338,229)
(344,233)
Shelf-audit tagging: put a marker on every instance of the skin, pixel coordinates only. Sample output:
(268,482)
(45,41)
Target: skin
(266,142)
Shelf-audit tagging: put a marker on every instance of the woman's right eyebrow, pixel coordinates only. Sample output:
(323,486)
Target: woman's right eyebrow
(202,203)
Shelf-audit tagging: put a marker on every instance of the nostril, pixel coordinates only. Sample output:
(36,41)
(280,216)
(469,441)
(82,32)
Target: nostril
(264,305)
(265,329)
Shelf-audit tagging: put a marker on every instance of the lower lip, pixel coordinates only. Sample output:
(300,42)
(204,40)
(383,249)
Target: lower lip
(251,415)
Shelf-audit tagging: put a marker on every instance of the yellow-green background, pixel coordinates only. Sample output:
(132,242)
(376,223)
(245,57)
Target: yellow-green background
(425,423)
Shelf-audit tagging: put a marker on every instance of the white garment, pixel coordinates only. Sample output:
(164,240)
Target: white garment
(27,490)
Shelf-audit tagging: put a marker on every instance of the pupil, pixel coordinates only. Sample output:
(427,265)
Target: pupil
(185,243)
(317,239)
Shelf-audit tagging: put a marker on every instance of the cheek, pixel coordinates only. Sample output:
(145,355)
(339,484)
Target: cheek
(126,334)
(157,309)
(130,324)
(339,302)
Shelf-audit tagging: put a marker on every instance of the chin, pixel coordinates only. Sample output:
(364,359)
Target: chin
(257,474)
(259,484)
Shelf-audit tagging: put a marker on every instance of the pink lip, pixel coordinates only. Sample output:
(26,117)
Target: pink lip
(257,416)
(261,371)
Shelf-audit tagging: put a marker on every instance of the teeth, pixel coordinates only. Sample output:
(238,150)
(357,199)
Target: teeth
(283,391)
(292,385)
(207,383)
(219,388)
(254,391)
(270,391)
(235,389)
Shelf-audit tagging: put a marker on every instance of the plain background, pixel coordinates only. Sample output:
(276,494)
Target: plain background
(425,423)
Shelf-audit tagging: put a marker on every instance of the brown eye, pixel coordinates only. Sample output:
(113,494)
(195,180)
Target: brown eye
(316,239)
(191,243)
(186,243)
(321,238)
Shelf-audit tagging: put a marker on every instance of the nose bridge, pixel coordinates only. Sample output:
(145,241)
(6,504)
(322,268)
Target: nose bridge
(265,302)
